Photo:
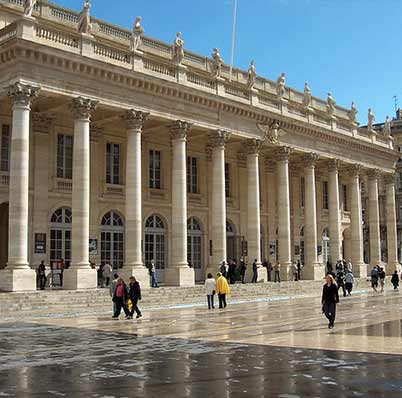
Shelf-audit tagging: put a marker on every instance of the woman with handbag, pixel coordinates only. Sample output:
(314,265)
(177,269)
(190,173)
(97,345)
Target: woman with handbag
(330,299)
(210,290)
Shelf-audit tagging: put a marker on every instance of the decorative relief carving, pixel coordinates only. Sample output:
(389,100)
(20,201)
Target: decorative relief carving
(354,170)
(22,94)
(373,174)
(82,108)
(333,164)
(269,165)
(179,130)
(95,132)
(310,159)
(272,132)
(283,153)
(219,138)
(254,146)
(41,123)
(135,119)
(389,179)
(178,49)
(84,19)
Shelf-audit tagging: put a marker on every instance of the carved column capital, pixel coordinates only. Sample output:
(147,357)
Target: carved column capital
(22,94)
(373,174)
(389,179)
(283,153)
(95,132)
(41,123)
(269,165)
(310,159)
(135,120)
(82,108)
(219,138)
(254,146)
(354,170)
(179,130)
(333,164)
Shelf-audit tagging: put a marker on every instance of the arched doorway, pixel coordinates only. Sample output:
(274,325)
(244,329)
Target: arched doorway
(60,236)
(112,240)
(155,244)
(325,246)
(194,247)
(3,234)
(231,243)
(302,246)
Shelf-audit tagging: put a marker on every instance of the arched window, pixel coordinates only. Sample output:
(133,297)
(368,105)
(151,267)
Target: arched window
(112,239)
(155,243)
(194,243)
(60,236)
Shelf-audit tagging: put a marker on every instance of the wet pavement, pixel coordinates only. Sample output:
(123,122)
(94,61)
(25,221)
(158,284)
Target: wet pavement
(279,350)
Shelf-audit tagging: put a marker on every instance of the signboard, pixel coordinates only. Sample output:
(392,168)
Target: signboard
(40,243)
(93,246)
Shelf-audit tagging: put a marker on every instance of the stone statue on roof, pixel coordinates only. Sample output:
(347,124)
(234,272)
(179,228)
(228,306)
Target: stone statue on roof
(84,19)
(217,63)
(28,7)
(280,85)
(251,75)
(307,101)
(178,49)
(330,104)
(353,113)
(371,120)
(387,127)
(136,35)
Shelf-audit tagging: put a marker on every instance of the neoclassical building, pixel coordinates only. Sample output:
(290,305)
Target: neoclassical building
(118,148)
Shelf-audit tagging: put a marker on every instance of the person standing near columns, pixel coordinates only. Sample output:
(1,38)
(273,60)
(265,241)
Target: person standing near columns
(134,123)
(374,218)
(393,263)
(217,142)
(253,209)
(312,270)
(18,276)
(334,212)
(359,267)
(179,273)
(80,275)
(284,242)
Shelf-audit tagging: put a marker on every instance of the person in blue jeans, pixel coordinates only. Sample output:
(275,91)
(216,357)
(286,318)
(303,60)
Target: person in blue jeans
(152,271)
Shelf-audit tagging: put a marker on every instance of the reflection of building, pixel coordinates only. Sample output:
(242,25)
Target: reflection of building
(153,159)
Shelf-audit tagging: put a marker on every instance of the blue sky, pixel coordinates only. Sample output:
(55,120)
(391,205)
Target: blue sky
(349,47)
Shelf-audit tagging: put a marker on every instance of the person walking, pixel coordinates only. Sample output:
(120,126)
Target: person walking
(329,300)
(255,272)
(299,267)
(120,297)
(223,269)
(381,278)
(374,278)
(232,272)
(210,290)
(349,282)
(134,294)
(152,273)
(395,280)
(112,288)
(107,273)
(294,271)
(222,289)
(277,272)
(340,282)
(42,275)
(243,269)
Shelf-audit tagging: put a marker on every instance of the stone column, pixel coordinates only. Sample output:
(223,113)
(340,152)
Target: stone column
(284,239)
(359,267)
(217,141)
(392,241)
(253,208)
(270,168)
(374,218)
(312,270)
(334,212)
(18,276)
(179,273)
(80,275)
(134,121)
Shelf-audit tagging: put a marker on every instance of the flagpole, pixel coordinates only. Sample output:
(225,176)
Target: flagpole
(233,39)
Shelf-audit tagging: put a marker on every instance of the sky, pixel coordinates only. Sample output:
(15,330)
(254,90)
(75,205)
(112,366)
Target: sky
(348,47)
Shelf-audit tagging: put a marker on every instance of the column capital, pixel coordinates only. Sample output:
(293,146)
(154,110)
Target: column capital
(22,94)
(269,165)
(354,170)
(283,153)
(95,132)
(389,178)
(41,123)
(135,120)
(82,108)
(334,164)
(254,146)
(373,174)
(179,130)
(219,138)
(310,159)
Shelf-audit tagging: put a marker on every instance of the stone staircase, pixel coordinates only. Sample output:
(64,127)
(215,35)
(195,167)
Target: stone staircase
(51,303)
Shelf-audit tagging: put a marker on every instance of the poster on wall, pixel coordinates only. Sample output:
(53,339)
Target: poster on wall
(93,246)
(40,243)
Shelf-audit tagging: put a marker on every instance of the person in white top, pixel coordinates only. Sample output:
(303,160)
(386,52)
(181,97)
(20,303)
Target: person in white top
(107,273)
(210,290)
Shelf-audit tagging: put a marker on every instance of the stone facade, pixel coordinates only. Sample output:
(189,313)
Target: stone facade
(147,156)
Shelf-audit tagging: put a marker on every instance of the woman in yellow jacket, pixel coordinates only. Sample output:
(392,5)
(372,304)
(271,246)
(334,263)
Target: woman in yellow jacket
(222,289)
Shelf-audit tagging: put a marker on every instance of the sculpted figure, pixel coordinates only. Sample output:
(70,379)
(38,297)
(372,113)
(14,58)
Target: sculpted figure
(28,7)
(136,35)
(353,113)
(217,63)
(307,95)
(84,19)
(387,127)
(330,104)
(252,75)
(371,120)
(178,49)
(280,85)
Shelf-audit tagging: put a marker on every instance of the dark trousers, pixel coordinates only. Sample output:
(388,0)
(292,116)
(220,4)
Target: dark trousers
(255,277)
(342,285)
(243,276)
(269,275)
(277,276)
(42,282)
(154,283)
(348,287)
(107,281)
(135,308)
(119,305)
(222,300)
(330,312)
(210,299)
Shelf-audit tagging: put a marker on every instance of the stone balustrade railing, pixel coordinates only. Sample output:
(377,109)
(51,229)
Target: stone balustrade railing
(112,44)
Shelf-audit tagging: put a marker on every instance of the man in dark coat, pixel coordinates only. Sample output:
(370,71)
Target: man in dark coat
(134,294)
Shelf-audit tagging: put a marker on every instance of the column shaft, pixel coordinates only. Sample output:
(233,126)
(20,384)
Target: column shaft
(392,241)
(334,213)
(374,220)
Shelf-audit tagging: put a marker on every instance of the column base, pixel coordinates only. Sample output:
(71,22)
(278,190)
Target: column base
(17,280)
(360,270)
(180,276)
(313,272)
(284,271)
(262,275)
(140,273)
(80,278)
